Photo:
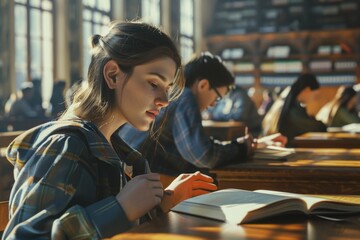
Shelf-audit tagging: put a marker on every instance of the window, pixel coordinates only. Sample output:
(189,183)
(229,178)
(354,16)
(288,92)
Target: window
(186,29)
(151,11)
(34,43)
(96,17)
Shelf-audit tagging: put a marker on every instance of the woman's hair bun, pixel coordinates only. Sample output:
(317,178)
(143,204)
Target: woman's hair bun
(94,40)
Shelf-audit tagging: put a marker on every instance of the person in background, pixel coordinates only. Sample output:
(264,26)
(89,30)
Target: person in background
(269,96)
(36,101)
(22,108)
(357,89)
(57,99)
(341,110)
(238,106)
(182,145)
(294,119)
(69,94)
(75,177)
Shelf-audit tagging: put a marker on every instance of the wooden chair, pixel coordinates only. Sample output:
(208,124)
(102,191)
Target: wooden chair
(4,215)
(6,169)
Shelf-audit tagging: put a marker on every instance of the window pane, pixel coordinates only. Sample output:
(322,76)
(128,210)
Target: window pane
(47,85)
(34,3)
(47,25)
(20,20)
(89,3)
(35,23)
(103,5)
(87,15)
(97,17)
(150,11)
(20,61)
(97,28)
(48,54)
(187,48)
(47,5)
(187,18)
(21,1)
(35,57)
(86,33)
(105,20)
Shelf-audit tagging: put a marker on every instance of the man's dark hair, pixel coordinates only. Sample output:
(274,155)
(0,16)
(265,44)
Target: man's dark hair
(207,66)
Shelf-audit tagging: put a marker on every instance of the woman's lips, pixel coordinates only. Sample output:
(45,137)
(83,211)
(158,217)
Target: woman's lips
(152,114)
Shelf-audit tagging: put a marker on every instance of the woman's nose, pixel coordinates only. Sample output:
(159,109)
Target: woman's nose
(162,101)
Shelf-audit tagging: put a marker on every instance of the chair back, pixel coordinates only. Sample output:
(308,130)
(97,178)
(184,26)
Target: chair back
(6,169)
(4,215)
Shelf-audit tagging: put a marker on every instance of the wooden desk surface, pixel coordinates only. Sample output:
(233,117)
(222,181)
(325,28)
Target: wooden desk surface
(309,171)
(176,226)
(327,140)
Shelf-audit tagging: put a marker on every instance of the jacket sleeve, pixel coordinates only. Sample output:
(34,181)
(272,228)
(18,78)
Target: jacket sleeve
(54,196)
(194,144)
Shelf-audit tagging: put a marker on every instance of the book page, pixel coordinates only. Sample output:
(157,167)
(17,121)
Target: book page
(321,205)
(272,153)
(238,206)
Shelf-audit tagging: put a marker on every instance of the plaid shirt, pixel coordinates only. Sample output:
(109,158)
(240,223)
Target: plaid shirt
(66,179)
(183,146)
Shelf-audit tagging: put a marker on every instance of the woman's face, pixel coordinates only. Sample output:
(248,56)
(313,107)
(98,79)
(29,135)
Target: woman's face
(145,92)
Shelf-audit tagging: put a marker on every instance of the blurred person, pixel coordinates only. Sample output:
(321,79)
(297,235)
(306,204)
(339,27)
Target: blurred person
(341,110)
(238,106)
(69,94)
(37,101)
(294,119)
(57,99)
(22,108)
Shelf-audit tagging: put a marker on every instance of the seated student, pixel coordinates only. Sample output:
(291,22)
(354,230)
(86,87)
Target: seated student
(75,178)
(182,145)
(293,119)
(341,110)
(238,106)
(21,108)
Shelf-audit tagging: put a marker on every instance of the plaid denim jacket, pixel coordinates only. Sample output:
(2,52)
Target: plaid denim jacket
(66,179)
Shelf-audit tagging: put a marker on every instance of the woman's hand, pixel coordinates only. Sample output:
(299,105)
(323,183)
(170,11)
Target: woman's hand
(140,195)
(186,186)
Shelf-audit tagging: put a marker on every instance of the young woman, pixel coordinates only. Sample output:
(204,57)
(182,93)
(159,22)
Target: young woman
(294,119)
(75,178)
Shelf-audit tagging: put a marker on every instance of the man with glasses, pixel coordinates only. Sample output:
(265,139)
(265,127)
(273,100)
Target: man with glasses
(181,145)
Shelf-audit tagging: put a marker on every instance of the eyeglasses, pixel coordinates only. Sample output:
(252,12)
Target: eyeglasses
(219,97)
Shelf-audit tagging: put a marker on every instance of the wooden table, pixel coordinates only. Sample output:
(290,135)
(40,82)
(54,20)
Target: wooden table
(224,131)
(327,140)
(309,171)
(176,226)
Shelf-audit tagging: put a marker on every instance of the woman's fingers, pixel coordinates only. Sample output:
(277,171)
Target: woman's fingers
(203,185)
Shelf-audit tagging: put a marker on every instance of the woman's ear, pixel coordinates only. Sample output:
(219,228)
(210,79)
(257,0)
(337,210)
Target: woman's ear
(111,73)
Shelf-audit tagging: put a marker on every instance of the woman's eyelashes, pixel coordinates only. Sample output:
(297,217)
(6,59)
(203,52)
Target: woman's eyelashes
(154,85)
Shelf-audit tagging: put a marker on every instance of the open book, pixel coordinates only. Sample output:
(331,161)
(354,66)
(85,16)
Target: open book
(352,128)
(242,206)
(273,153)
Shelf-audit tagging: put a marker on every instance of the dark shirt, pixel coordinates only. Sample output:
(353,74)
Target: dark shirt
(238,106)
(298,122)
